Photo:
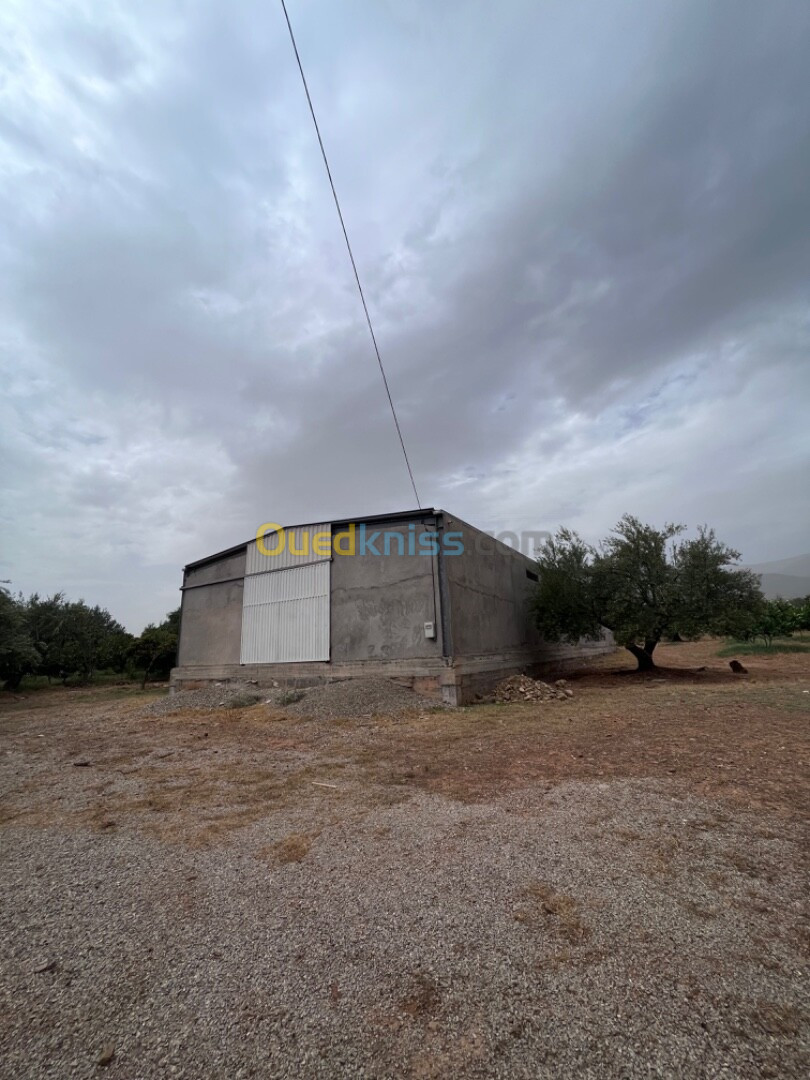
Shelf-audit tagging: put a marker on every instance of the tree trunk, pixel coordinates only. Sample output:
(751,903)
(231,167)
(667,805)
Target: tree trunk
(643,656)
(146,671)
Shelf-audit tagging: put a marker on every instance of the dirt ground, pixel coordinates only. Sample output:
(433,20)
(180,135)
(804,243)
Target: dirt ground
(613,885)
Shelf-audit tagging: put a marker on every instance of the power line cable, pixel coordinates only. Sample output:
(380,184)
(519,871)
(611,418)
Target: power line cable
(351,255)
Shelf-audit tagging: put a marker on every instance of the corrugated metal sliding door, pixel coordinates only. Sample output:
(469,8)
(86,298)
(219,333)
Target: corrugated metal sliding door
(285,613)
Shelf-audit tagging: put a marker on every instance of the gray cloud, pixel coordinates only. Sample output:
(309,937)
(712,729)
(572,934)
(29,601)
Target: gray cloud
(582,230)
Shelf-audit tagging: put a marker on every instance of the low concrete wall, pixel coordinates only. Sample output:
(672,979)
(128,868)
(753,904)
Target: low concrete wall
(456,681)
(426,676)
(475,677)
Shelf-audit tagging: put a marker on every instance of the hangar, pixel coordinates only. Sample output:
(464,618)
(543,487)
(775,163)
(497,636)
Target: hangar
(419,596)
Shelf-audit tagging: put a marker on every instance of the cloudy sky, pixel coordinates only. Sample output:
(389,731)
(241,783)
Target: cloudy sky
(583,228)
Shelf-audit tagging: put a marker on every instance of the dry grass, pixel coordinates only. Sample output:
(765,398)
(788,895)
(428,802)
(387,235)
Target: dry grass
(589,893)
(197,777)
(293,848)
(553,911)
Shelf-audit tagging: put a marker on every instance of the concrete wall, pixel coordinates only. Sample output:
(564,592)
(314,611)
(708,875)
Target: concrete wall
(488,593)
(227,566)
(380,603)
(491,630)
(211,612)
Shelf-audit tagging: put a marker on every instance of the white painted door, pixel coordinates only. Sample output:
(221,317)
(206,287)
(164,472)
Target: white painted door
(285,612)
(285,615)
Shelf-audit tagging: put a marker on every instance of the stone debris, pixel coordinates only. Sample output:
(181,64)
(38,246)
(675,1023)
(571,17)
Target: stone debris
(348,698)
(215,696)
(345,698)
(524,688)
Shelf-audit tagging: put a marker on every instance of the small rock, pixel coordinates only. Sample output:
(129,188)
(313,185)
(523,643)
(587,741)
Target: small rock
(49,965)
(81,764)
(106,1055)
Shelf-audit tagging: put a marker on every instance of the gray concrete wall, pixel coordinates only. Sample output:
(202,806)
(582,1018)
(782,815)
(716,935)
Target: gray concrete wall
(488,592)
(211,612)
(229,566)
(380,603)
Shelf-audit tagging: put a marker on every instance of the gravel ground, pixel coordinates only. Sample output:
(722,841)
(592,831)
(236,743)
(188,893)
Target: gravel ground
(360,698)
(429,940)
(255,894)
(206,697)
(345,698)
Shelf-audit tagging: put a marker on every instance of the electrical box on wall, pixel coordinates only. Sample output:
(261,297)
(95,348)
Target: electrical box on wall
(430,630)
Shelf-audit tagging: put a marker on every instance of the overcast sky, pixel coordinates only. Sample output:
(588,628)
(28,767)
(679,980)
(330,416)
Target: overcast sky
(583,229)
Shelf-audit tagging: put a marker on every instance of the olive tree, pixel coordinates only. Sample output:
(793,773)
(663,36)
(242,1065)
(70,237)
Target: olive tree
(642,584)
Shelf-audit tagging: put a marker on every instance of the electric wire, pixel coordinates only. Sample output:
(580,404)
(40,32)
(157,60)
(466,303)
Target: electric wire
(351,255)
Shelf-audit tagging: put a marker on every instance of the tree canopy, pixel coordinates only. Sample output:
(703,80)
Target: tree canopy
(642,584)
(156,648)
(66,639)
(17,652)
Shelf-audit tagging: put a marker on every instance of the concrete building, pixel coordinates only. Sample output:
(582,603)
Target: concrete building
(418,596)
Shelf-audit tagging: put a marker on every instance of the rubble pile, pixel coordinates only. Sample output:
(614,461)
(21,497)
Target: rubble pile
(524,688)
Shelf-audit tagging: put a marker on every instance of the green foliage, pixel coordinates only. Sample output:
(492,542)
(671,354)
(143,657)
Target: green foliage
(756,648)
(634,587)
(774,619)
(155,651)
(54,638)
(642,584)
(711,595)
(74,640)
(802,606)
(47,622)
(17,653)
(564,607)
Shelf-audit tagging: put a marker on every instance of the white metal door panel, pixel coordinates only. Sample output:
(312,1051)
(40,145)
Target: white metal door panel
(285,615)
(297,547)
